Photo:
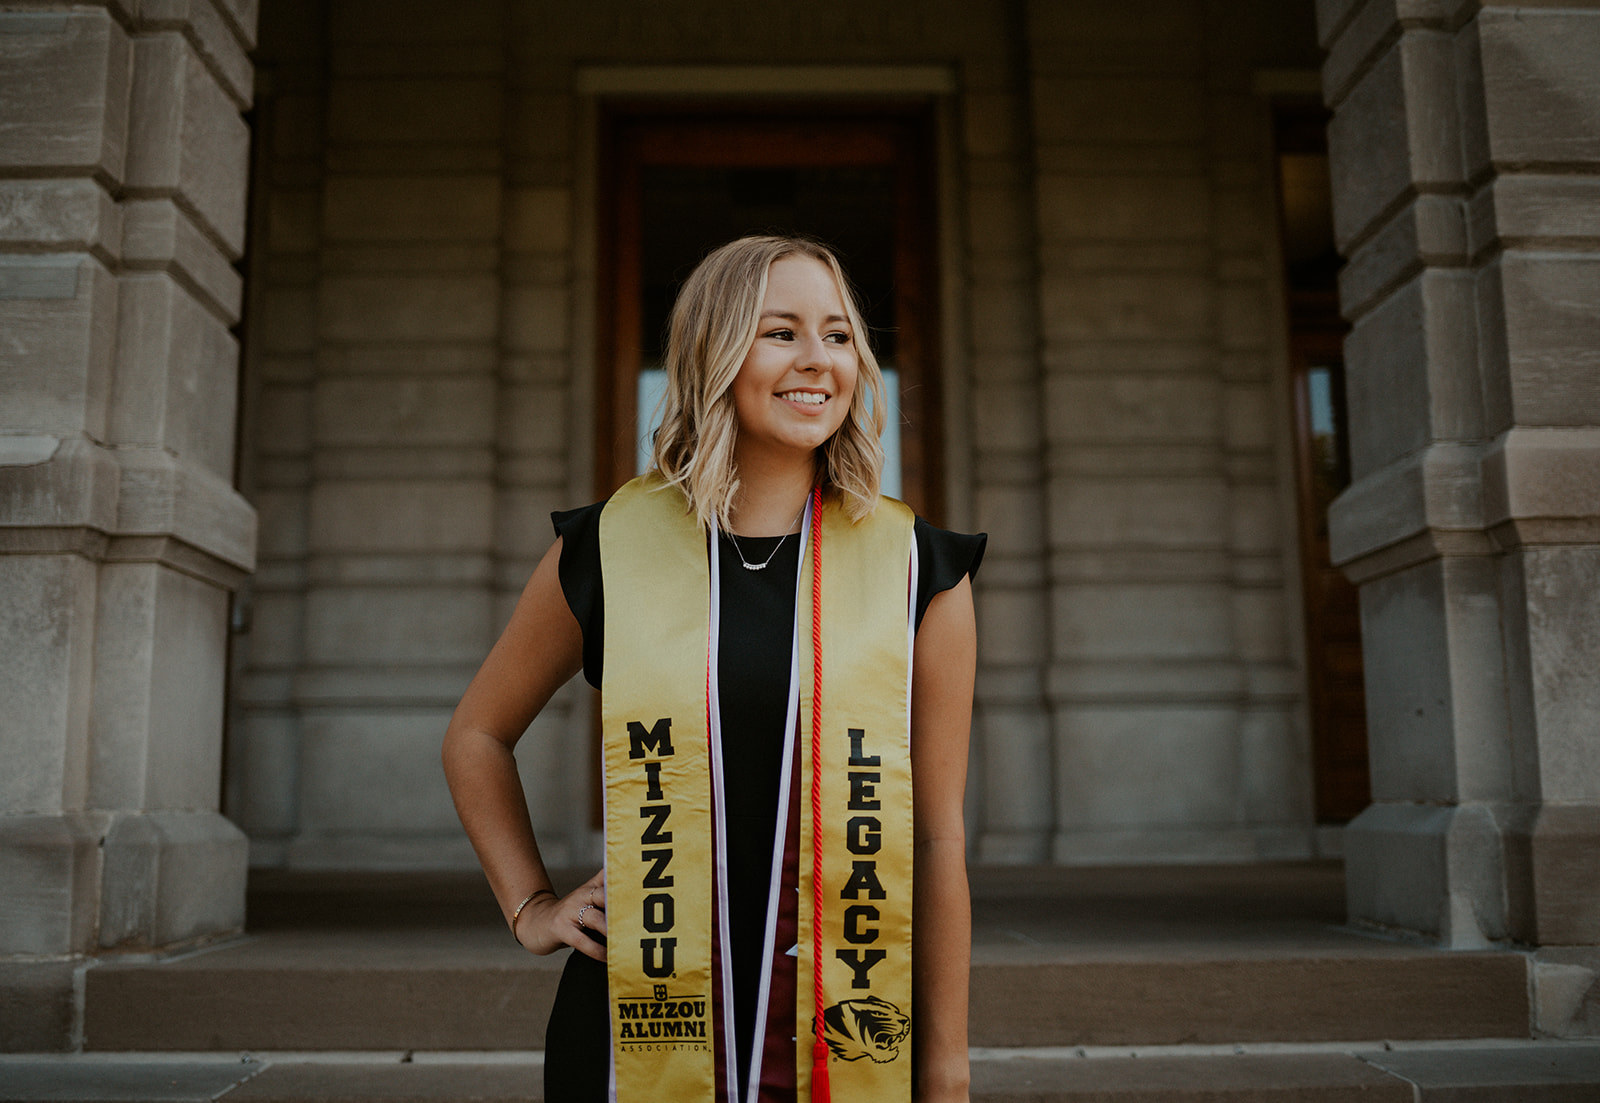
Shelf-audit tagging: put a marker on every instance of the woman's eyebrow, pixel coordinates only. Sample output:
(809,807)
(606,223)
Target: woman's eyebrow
(789,316)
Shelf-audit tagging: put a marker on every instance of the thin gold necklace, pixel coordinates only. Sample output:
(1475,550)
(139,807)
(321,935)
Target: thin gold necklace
(749,566)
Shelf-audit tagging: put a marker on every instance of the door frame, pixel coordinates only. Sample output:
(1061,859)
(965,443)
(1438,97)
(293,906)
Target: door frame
(901,133)
(1316,333)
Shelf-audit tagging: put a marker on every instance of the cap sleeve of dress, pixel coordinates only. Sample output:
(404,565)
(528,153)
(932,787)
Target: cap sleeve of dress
(944,558)
(581,584)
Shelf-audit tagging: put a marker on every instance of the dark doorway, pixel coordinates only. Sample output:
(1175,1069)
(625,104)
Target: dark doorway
(1322,459)
(677,182)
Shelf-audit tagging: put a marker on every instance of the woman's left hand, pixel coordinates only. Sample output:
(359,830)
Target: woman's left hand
(577,920)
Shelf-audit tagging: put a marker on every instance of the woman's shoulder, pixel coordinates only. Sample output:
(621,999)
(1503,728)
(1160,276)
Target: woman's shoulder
(944,558)
(577,520)
(581,584)
(579,530)
(960,551)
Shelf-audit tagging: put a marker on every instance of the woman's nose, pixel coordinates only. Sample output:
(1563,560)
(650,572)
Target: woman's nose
(813,354)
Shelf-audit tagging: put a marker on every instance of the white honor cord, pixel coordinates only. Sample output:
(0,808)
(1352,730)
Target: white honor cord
(911,634)
(775,882)
(719,813)
(611,1043)
(781,830)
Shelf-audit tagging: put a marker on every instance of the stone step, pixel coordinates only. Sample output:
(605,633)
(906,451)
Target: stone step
(1515,1072)
(1060,958)
(472,989)
(1316,996)
(1487,1071)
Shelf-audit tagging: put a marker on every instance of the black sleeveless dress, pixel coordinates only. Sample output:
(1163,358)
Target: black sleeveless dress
(755,650)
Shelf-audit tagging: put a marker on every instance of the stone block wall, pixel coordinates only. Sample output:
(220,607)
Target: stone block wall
(1172,681)
(262,780)
(412,436)
(1009,790)
(122,210)
(422,382)
(1464,147)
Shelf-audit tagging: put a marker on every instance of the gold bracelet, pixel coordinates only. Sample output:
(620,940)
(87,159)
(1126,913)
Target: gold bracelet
(526,900)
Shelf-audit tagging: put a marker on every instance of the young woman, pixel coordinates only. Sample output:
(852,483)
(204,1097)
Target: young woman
(780,652)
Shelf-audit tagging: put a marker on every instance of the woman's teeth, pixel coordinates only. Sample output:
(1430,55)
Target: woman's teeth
(805,398)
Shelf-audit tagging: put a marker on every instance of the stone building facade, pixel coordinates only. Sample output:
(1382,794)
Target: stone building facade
(422,369)
(432,238)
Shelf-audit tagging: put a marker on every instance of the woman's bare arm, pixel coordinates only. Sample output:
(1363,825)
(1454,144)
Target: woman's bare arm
(540,649)
(944,666)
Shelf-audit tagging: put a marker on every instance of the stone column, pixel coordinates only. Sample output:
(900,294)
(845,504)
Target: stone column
(1273,756)
(544,454)
(1464,151)
(121,211)
(1144,680)
(399,544)
(1013,741)
(261,790)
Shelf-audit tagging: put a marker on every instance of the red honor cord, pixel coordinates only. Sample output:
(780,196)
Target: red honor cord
(820,1092)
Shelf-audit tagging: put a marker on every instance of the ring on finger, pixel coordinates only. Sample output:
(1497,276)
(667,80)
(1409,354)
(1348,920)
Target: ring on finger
(581,910)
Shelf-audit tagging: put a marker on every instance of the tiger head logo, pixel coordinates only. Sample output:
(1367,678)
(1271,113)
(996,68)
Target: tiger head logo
(869,1027)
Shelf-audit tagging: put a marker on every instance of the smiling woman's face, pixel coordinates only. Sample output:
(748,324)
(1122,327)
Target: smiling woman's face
(794,388)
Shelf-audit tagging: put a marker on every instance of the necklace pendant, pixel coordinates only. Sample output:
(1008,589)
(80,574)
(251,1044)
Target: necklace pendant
(749,566)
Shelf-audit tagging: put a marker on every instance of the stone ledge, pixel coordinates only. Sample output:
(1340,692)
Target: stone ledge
(1429,871)
(1338,19)
(219,36)
(125,504)
(66,215)
(74,485)
(1429,232)
(174,553)
(1553,866)
(1531,210)
(129,879)
(1531,485)
(1371,30)
(171,879)
(51,867)
(1542,473)
(178,107)
(103,548)
(158,235)
(160,495)
(1396,132)
(1414,509)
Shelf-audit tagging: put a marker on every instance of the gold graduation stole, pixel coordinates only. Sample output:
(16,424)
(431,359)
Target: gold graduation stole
(663,822)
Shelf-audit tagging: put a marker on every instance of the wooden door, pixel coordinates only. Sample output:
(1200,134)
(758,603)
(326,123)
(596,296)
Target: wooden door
(679,181)
(1332,609)
(1322,453)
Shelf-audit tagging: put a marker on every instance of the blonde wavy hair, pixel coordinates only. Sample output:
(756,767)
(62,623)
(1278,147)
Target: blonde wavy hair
(713,326)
